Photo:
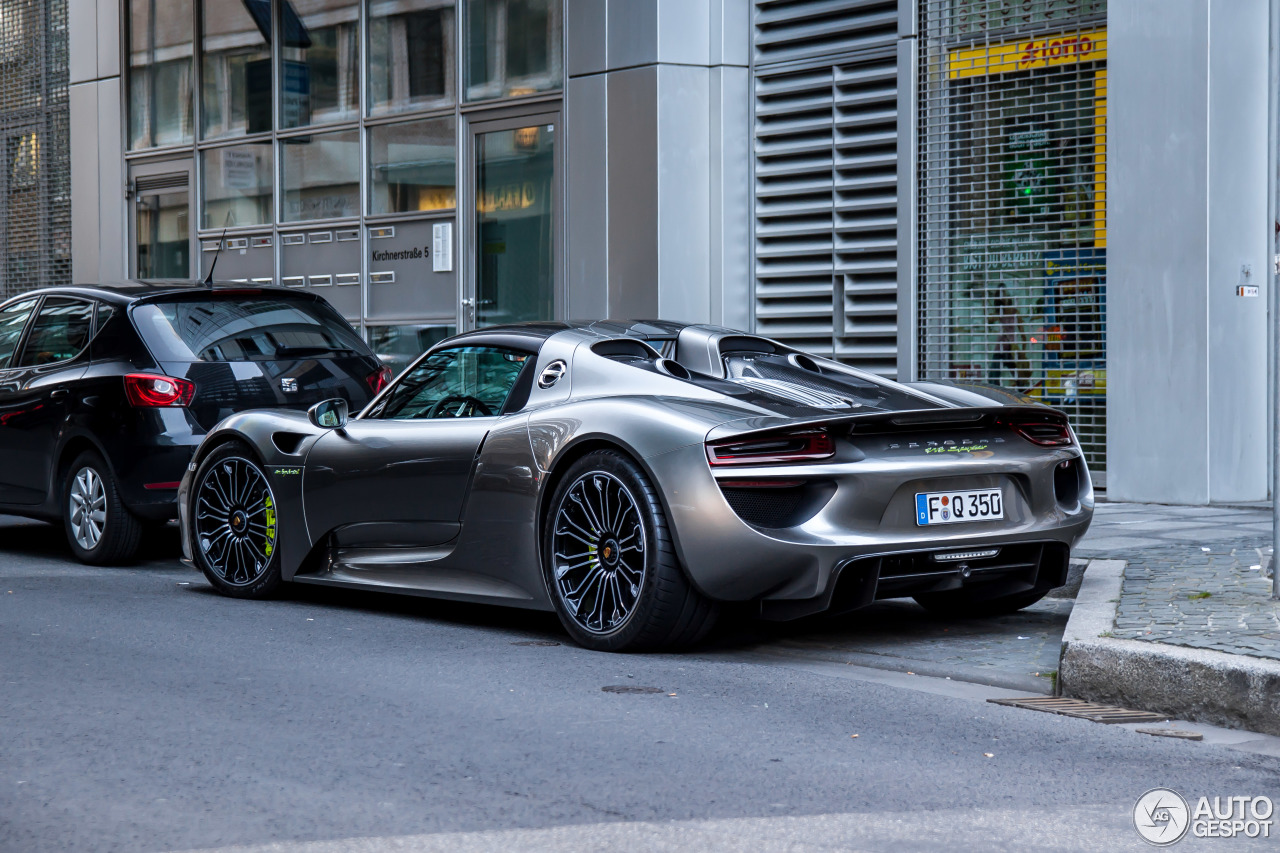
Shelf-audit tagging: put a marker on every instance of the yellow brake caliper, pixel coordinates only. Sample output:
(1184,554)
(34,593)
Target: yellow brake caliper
(271,526)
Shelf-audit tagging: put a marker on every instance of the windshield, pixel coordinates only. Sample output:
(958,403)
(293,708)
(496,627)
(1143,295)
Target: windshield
(249,329)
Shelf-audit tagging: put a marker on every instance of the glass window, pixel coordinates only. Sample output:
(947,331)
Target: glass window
(59,333)
(399,346)
(467,382)
(321,176)
(244,330)
(411,50)
(12,321)
(237,185)
(412,166)
(513,48)
(321,62)
(236,95)
(515,225)
(164,247)
(160,78)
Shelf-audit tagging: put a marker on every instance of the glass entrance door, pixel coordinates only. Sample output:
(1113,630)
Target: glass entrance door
(516,238)
(161,226)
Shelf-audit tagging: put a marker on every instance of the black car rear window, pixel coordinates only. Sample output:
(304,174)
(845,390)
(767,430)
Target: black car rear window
(245,329)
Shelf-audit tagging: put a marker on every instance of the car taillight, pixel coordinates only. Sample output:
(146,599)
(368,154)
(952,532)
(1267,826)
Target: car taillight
(1044,434)
(150,391)
(379,379)
(799,446)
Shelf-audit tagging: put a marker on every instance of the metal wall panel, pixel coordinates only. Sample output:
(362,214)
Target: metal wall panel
(1012,228)
(35,141)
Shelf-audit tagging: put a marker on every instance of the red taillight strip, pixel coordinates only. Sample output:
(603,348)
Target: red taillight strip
(149,391)
(779,448)
(1062,437)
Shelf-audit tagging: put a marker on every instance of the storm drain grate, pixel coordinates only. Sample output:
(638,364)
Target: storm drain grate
(1079,708)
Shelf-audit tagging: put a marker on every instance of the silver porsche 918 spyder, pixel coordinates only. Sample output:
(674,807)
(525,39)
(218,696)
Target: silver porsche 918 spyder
(634,477)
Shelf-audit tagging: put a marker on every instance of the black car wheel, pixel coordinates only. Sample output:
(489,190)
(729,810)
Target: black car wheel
(99,527)
(963,603)
(233,514)
(610,564)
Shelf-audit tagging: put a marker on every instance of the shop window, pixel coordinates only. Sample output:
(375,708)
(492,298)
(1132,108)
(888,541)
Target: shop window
(236,96)
(321,176)
(412,166)
(411,55)
(321,60)
(514,47)
(160,73)
(237,185)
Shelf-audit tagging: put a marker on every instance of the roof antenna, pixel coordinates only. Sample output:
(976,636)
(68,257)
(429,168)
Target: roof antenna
(222,241)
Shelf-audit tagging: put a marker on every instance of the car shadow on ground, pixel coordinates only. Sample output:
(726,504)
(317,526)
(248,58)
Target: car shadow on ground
(22,537)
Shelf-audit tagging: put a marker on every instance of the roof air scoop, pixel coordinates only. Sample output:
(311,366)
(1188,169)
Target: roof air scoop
(798,394)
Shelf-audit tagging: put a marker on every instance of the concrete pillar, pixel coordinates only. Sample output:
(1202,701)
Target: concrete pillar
(658,139)
(1187,180)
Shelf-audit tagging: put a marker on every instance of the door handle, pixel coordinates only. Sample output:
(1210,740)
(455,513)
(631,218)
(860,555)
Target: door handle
(59,394)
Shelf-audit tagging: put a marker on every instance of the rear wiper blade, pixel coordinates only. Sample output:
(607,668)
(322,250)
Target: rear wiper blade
(313,350)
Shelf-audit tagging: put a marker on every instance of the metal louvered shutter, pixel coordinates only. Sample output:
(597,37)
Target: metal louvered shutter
(1012,202)
(35,181)
(826,176)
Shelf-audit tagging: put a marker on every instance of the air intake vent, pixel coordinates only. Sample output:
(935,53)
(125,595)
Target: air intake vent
(787,30)
(176,181)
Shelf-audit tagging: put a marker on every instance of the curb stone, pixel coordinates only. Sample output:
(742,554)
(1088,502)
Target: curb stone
(1191,684)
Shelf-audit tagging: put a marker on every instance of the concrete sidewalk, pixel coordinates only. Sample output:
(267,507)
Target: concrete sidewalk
(1175,615)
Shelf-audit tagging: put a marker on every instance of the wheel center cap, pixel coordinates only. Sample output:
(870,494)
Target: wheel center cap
(609,552)
(238,520)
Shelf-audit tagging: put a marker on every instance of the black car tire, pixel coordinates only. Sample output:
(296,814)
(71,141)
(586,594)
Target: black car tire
(961,603)
(237,579)
(666,611)
(114,538)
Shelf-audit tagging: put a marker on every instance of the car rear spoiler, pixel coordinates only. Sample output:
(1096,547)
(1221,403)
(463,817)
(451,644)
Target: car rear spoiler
(879,423)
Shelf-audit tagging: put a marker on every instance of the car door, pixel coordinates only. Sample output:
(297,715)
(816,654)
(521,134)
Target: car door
(398,476)
(37,390)
(13,322)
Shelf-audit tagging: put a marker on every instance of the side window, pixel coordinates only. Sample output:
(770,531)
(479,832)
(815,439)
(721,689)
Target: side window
(12,320)
(466,382)
(59,332)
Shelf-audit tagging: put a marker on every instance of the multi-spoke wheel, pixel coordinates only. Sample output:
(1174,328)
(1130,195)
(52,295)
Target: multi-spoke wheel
(100,529)
(233,515)
(611,567)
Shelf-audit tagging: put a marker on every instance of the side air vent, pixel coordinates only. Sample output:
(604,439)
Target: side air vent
(787,504)
(673,368)
(287,442)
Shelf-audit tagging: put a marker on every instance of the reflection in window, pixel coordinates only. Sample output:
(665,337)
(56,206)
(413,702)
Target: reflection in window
(321,62)
(237,185)
(412,166)
(410,55)
(467,382)
(321,176)
(59,333)
(160,82)
(399,346)
(12,321)
(513,47)
(236,95)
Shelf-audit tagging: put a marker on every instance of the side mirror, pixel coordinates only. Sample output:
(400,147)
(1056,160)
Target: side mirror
(329,414)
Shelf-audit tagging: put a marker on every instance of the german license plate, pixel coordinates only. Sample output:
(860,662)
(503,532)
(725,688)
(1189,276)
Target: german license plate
(953,507)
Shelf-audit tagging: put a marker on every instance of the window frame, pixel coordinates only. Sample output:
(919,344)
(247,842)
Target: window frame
(18,347)
(21,351)
(374,410)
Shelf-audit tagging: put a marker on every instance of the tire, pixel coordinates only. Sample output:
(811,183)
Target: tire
(960,603)
(99,527)
(234,523)
(625,590)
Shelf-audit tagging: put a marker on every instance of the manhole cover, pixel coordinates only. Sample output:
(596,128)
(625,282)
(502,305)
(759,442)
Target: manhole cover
(1181,734)
(627,688)
(1080,708)
(535,643)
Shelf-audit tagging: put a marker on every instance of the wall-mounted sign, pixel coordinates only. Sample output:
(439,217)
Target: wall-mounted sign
(1039,52)
(442,247)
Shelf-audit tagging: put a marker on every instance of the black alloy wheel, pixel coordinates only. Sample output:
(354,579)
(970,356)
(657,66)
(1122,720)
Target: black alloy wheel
(234,524)
(610,563)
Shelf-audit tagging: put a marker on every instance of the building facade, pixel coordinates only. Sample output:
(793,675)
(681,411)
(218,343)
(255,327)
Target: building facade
(1073,199)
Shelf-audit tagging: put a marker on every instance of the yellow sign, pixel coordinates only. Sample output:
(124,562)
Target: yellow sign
(1038,52)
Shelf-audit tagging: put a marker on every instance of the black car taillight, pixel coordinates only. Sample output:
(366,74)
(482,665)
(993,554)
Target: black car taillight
(1044,434)
(150,391)
(798,446)
(379,379)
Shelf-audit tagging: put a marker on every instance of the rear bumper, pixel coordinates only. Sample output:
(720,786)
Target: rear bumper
(862,544)
(150,461)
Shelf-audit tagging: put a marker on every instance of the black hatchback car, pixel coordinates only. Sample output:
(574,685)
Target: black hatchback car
(105,391)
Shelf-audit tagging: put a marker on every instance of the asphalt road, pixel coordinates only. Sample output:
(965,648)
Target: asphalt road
(140,711)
